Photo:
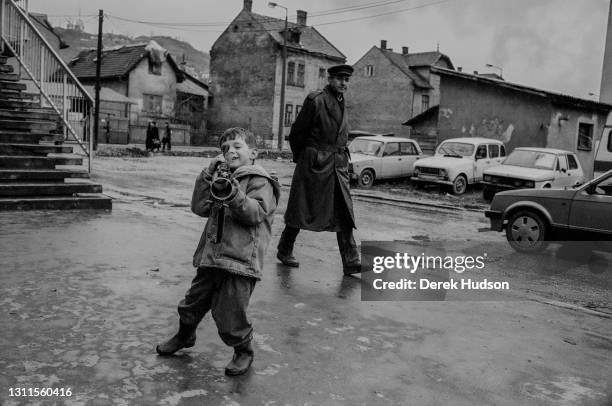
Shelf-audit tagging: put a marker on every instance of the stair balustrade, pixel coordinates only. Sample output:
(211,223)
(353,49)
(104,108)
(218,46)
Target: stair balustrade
(59,89)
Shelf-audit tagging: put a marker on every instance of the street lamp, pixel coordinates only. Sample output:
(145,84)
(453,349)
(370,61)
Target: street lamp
(282,95)
(501,71)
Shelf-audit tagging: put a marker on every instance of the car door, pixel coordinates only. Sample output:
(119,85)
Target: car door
(574,170)
(481,162)
(391,161)
(495,154)
(561,177)
(410,154)
(592,209)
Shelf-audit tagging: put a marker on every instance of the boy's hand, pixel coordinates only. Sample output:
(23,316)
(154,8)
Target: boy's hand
(213,164)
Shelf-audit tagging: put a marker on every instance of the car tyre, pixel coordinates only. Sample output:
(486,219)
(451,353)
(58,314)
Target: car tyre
(366,178)
(459,185)
(526,232)
(487,194)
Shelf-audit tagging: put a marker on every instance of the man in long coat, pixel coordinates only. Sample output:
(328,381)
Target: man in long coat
(319,199)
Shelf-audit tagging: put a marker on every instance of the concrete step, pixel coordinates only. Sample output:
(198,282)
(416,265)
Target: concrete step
(38,175)
(37,114)
(25,137)
(7,68)
(29,125)
(97,202)
(9,77)
(12,85)
(33,149)
(36,162)
(15,189)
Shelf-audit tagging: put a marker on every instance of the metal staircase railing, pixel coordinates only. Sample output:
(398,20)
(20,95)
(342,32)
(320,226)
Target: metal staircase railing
(58,87)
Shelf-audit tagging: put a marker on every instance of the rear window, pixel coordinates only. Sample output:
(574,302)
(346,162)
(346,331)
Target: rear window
(493,151)
(571,162)
(408,148)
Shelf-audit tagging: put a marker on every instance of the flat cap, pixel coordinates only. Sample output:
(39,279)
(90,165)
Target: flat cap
(340,70)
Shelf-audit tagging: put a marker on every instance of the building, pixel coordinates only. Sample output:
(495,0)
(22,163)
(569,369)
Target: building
(388,86)
(246,64)
(148,75)
(473,105)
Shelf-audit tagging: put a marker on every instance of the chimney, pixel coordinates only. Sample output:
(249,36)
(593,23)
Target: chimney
(475,72)
(459,69)
(301,17)
(383,44)
(404,50)
(248,5)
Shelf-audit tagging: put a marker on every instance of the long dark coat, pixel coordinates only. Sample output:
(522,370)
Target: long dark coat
(320,199)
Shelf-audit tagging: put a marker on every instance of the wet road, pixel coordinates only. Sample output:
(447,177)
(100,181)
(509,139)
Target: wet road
(86,296)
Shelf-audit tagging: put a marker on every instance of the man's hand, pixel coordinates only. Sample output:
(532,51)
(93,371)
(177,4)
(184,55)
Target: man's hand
(215,161)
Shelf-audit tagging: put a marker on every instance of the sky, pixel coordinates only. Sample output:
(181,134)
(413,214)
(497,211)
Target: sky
(554,45)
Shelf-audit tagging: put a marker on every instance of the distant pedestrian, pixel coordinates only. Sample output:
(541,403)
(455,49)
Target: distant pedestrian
(155,143)
(231,251)
(149,137)
(166,141)
(107,128)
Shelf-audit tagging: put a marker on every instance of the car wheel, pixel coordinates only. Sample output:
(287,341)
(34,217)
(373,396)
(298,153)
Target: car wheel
(487,194)
(526,232)
(460,185)
(366,178)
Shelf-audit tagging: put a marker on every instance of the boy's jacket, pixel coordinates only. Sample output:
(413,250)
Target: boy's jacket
(248,222)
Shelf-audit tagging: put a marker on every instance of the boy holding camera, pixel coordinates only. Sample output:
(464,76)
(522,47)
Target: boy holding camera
(239,198)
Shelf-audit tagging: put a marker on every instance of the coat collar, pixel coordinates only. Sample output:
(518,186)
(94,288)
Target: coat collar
(333,106)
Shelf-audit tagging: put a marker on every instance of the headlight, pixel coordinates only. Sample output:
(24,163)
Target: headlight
(517,183)
(530,184)
(487,178)
(417,170)
(443,173)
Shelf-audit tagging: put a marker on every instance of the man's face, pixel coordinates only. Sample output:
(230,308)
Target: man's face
(339,83)
(237,153)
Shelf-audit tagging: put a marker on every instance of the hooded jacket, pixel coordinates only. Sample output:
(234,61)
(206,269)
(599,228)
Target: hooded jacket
(247,222)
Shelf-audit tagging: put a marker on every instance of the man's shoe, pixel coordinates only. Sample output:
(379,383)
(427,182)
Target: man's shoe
(241,361)
(352,269)
(185,338)
(287,260)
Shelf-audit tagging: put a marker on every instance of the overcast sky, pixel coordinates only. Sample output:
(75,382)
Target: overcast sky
(554,45)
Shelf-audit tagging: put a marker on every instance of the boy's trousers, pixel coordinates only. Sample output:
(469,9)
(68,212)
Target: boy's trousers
(227,296)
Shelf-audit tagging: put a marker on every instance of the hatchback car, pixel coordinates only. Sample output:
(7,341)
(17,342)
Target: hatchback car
(459,162)
(533,168)
(533,217)
(382,157)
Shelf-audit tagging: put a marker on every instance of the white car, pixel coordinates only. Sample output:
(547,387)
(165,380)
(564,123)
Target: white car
(535,168)
(459,162)
(382,157)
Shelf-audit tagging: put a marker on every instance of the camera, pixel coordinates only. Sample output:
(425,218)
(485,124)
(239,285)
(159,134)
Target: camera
(221,187)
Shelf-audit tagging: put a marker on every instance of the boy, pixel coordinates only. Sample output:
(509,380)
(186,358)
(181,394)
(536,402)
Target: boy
(229,262)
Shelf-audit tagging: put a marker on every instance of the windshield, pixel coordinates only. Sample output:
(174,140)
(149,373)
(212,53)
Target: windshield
(367,147)
(455,149)
(531,159)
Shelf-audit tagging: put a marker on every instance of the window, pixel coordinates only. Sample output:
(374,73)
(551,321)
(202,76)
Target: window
(290,73)
(300,75)
(585,136)
(481,152)
(369,70)
(561,163)
(571,162)
(321,73)
(424,102)
(288,114)
(502,150)
(493,151)
(392,149)
(151,103)
(408,148)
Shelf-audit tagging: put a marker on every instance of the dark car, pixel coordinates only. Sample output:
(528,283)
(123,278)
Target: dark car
(533,217)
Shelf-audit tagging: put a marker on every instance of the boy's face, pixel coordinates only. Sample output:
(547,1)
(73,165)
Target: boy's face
(237,153)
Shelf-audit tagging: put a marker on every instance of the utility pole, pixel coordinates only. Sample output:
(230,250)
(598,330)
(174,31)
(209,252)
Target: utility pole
(605,90)
(97,87)
(282,95)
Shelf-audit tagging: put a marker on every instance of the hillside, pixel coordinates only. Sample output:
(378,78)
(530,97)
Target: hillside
(197,62)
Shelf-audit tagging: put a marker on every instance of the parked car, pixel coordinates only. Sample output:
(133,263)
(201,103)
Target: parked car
(532,168)
(533,217)
(382,157)
(459,162)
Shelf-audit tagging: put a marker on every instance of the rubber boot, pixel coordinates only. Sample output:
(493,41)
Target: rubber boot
(185,338)
(241,361)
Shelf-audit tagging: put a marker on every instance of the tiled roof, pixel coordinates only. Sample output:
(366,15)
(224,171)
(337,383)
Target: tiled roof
(115,62)
(426,58)
(399,60)
(310,39)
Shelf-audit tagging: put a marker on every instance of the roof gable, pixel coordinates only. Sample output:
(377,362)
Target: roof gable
(399,61)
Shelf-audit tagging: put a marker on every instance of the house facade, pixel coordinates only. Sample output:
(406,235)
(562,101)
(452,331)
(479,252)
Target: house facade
(246,65)
(147,75)
(472,105)
(388,85)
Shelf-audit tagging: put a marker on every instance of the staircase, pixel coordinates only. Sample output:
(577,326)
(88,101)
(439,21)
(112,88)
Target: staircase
(35,173)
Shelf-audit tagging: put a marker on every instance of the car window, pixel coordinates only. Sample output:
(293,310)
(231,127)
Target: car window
(571,162)
(408,148)
(604,187)
(481,152)
(367,147)
(493,150)
(561,163)
(502,150)
(392,149)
